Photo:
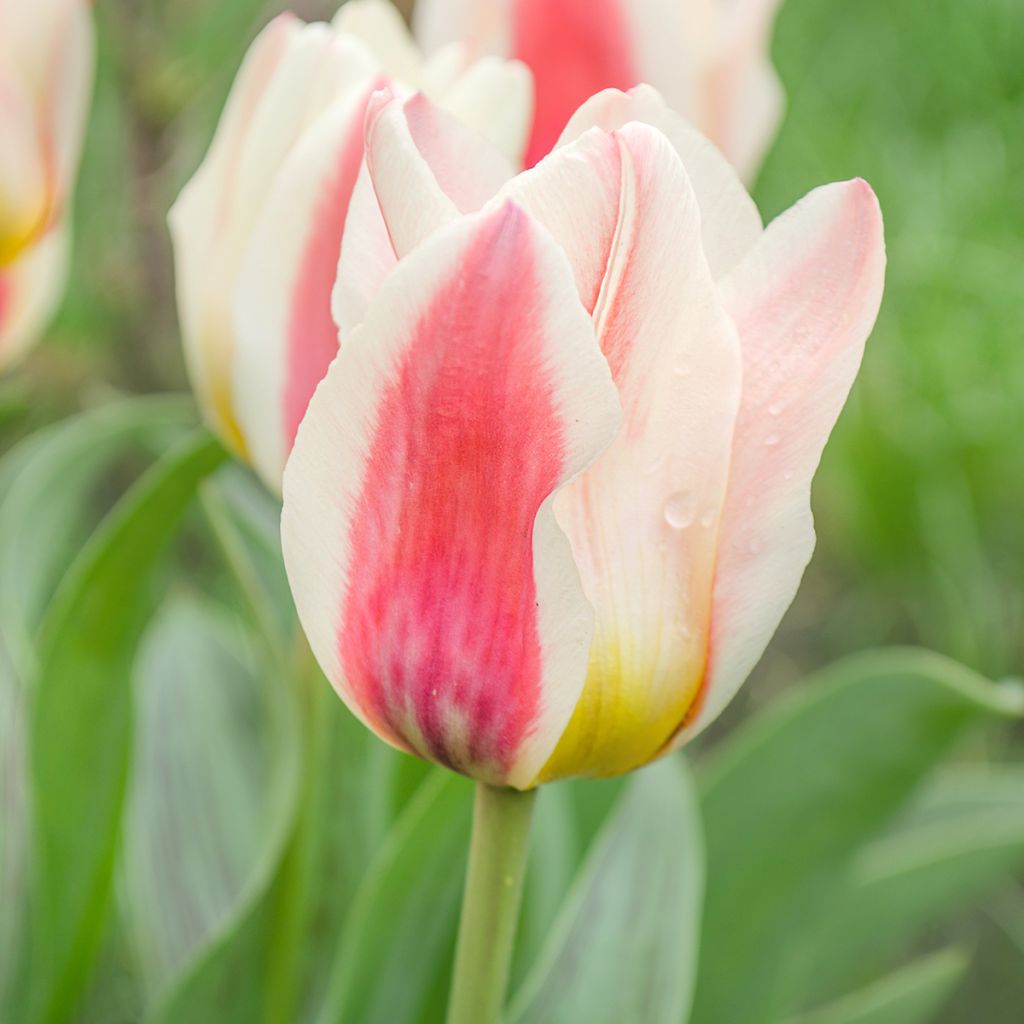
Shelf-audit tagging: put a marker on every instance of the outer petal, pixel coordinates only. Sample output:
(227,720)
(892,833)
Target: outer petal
(730,222)
(424,168)
(804,301)
(25,188)
(435,587)
(643,519)
(285,335)
(290,76)
(29,292)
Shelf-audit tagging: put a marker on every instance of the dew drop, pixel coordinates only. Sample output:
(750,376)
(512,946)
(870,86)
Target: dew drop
(775,408)
(708,518)
(680,510)
(771,440)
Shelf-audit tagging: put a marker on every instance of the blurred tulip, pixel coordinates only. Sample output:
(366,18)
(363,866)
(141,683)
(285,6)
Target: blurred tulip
(257,231)
(552,498)
(46,67)
(709,58)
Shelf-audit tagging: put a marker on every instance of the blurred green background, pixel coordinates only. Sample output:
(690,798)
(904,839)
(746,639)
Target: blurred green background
(919,502)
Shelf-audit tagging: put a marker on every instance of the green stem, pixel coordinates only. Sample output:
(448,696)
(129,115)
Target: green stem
(490,904)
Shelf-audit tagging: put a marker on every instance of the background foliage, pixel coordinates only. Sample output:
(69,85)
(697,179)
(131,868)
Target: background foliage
(193,827)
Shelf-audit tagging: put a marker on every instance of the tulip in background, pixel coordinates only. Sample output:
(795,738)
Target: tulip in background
(46,68)
(709,58)
(265,212)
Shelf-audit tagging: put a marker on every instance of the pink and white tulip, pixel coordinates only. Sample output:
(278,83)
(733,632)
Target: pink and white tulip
(709,58)
(551,500)
(46,68)
(258,229)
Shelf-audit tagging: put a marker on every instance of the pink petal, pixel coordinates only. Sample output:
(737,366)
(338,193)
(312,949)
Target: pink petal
(424,168)
(804,301)
(642,520)
(574,48)
(285,335)
(431,578)
(730,222)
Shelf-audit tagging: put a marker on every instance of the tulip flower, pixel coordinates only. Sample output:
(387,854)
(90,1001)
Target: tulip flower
(257,230)
(552,498)
(46,66)
(709,58)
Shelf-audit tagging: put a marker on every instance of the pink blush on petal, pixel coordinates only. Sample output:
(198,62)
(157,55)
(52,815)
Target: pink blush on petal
(575,48)
(312,335)
(438,636)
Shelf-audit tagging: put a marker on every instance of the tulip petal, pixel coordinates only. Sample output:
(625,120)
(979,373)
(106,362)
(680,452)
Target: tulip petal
(424,168)
(24,185)
(30,290)
(285,335)
(495,97)
(291,75)
(378,24)
(730,221)
(744,97)
(642,520)
(804,301)
(432,580)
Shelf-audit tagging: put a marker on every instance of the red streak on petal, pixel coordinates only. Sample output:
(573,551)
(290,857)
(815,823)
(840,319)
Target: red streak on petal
(439,634)
(312,335)
(575,48)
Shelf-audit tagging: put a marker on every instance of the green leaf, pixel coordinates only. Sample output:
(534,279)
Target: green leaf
(81,721)
(911,995)
(401,929)
(46,484)
(788,799)
(624,947)
(948,854)
(198,812)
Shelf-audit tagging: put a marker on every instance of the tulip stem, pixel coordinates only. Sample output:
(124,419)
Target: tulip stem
(490,904)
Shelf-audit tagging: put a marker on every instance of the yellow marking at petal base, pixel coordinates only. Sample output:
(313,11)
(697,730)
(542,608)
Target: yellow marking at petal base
(620,722)
(214,388)
(18,234)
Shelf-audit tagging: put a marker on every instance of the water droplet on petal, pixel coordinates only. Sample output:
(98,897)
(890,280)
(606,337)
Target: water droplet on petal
(708,518)
(775,408)
(680,510)
(771,440)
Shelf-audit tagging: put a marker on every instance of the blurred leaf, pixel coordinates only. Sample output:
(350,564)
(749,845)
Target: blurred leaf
(46,484)
(197,815)
(797,790)
(246,521)
(80,728)
(899,885)
(911,995)
(624,947)
(401,929)
(553,861)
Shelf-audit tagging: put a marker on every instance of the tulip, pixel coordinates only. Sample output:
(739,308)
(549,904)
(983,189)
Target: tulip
(257,230)
(709,58)
(46,66)
(552,498)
